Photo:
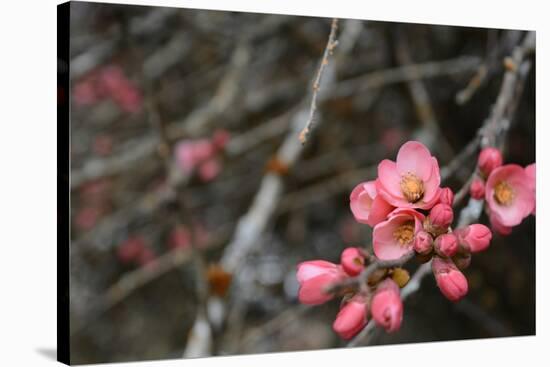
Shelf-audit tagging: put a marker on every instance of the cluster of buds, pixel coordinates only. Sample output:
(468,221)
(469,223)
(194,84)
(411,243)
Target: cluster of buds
(180,237)
(381,301)
(508,190)
(201,155)
(411,215)
(109,82)
(134,251)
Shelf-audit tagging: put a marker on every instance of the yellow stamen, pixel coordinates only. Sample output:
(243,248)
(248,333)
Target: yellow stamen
(504,194)
(404,234)
(412,187)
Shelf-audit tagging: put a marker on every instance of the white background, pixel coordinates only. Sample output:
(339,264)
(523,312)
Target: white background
(28,181)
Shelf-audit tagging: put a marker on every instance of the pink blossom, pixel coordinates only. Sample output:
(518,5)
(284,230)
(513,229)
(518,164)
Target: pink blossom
(87,218)
(113,82)
(423,243)
(352,261)
(351,319)
(446,196)
(497,226)
(220,138)
(477,189)
(84,92)
(509,195)
(367,206)
(387,307)
(209,170)
(489,159)
(446,244)
(530,171)
(314,277)
(179,238)
(189,154)
(441,216)
(394,237)
(475,237)
(413,180)
(452,283)
(130,250)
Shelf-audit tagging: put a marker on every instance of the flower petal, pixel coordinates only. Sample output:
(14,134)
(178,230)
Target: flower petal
(413,157)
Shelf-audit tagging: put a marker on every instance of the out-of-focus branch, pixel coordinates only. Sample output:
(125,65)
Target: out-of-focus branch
(136,151)
(489,66)
(431,132)
(134,280)
(331,44)
(253,223)
(406,73)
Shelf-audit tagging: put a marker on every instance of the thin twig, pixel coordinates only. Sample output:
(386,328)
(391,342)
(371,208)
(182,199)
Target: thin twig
(331,44)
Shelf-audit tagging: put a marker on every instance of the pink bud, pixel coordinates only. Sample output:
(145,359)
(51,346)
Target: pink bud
(352,261)
(450,280)
(351,319)
(387,307)
(489,159)
(477,189)
(220,138)
(462,260)
(209,170)
(314,277)
(475,237)
(131,249)
(179,238)
(446,196)
(446,245)
(423,243)
(441,215)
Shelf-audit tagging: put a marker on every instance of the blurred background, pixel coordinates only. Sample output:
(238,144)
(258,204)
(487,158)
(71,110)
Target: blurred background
(191,194)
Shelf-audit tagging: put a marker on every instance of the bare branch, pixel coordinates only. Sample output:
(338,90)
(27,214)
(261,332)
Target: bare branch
(331,44)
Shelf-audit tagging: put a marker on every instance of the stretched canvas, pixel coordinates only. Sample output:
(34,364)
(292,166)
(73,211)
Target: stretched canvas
(247,183)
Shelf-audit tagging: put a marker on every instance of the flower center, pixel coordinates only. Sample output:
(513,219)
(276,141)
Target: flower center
(412,187)
(504,194)
(404,234)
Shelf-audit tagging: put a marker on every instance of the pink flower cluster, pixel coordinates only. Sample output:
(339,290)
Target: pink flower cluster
(201,155)
(384,305)
(134,250)
(108,82)
(410,214)
(508,190)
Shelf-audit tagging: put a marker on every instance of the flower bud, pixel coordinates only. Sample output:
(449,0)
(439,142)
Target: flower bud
(352,261)
(423,243)
(489,159)
(387,307)
(450,280)
(314,277)
(400,276)
(446,245)
(462,260)
(477,189)
(475,237)
(351,319)
(446,196)
(441,215)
